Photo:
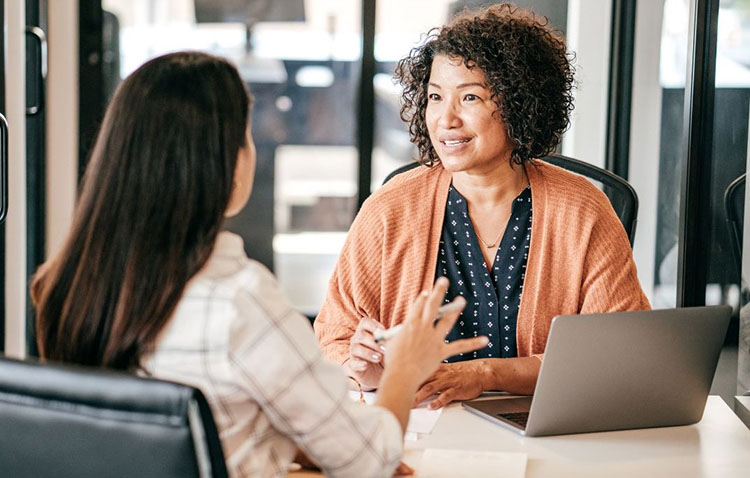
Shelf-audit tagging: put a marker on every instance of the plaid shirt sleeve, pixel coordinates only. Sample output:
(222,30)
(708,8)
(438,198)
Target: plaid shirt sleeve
(303,395)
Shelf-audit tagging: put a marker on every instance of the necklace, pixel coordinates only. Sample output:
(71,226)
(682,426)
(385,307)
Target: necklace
(496,242)
(487,244)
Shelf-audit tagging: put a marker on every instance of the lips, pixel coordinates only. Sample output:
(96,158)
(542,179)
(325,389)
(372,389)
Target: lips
(450,142)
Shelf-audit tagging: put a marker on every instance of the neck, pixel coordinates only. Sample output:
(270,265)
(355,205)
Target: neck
(489,189)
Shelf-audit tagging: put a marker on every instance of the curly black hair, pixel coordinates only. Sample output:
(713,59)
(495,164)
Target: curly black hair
(528,70)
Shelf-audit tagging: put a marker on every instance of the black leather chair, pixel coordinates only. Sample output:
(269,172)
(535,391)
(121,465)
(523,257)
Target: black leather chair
(620,193)
(734,208)
(63,421)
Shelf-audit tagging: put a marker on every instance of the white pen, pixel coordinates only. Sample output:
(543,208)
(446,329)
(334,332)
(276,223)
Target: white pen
(385,334)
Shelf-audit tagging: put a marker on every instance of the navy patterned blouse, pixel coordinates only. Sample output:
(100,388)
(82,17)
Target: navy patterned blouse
(492,300)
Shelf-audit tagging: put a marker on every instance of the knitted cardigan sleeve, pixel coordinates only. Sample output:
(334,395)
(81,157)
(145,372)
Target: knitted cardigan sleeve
(581,261)
(610,280)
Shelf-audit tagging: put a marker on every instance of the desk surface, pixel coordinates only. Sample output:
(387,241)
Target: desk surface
(717,446)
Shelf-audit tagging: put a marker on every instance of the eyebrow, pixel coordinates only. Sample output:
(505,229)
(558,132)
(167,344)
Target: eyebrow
(462,85)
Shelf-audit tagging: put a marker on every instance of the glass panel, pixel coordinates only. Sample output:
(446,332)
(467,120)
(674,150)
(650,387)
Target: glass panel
(301,59)
(729,162)
(657,154)
(399,27)
(656,143)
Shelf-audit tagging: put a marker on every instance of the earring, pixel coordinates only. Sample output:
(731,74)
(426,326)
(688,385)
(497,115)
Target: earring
(236,184)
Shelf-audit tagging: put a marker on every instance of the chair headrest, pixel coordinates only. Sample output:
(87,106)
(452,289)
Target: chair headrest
(103,388)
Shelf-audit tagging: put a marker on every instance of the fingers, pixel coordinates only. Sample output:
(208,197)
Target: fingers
(435,299)
(445,397)
(432,385)
(415,311)
(403,469)
(465,345)
(425,392)
(362,345)
(367,343)
(446,323)
(363,353)
(357,365)
(368,325)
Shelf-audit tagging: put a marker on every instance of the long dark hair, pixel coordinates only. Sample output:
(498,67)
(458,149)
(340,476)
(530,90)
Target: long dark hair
(149,210)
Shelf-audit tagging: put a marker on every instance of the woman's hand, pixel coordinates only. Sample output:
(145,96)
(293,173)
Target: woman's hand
(403,470)
(420,345)
(365,362)
(452,381)
(306,463)
(466,380)
(416,352)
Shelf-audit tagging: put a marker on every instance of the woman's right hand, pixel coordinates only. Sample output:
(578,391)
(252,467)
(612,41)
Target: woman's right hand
(365,362)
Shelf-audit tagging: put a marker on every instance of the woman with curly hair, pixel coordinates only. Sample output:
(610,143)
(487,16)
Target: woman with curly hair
(522,240)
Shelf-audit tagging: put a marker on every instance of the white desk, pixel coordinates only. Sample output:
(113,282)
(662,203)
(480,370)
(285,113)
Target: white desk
(717,446)
(742,408)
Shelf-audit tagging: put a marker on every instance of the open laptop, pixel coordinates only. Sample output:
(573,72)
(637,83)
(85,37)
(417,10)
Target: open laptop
(618,371)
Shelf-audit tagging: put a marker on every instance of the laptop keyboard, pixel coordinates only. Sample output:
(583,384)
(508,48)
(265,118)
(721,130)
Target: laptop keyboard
(519,418)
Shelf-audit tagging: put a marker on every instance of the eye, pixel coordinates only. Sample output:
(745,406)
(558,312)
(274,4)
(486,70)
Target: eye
(470,97)
(433,97)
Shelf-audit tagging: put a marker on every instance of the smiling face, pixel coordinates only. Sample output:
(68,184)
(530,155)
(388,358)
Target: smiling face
(465,132)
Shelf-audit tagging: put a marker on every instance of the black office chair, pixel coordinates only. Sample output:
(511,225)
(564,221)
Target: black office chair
(620,193)
(65,421)
(734,208)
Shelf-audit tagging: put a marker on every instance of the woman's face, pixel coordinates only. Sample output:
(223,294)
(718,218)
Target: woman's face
(244,172)
(459,115)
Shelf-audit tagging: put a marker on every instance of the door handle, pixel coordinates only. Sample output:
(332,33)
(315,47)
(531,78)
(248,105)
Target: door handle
(37,34)
(3,168)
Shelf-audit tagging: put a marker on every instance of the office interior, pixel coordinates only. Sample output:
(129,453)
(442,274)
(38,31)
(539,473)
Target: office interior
(662,100)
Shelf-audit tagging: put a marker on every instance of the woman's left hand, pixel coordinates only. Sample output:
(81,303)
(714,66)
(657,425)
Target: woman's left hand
(452,381)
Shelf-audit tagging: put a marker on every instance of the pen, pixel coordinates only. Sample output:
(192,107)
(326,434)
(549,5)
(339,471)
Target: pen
(383,335)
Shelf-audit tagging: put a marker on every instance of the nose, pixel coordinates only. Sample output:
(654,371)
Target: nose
(449,116)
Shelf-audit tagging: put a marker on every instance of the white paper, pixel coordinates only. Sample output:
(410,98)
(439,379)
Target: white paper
(368,396)
(421,419)
(443,463)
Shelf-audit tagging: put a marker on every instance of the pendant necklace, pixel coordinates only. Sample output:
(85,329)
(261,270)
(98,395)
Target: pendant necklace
(487,244)
(496,242)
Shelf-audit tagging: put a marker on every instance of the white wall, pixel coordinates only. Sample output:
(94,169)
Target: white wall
(15,225)
(62,120)
(588,35)
(645,127)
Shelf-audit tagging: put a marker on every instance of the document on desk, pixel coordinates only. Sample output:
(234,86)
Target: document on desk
(444,463)
(421,419)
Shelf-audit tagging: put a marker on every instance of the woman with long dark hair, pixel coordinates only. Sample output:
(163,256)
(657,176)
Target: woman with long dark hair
(147,282)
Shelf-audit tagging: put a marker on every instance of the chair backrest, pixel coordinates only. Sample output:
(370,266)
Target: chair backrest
(621,194)
(75,421)
(734,208)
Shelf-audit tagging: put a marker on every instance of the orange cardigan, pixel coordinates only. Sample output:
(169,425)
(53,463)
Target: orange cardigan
(579,262)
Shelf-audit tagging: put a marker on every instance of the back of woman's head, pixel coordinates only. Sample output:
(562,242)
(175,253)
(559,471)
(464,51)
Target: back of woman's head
(150,207)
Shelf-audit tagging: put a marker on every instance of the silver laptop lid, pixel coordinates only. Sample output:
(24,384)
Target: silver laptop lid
(627,370)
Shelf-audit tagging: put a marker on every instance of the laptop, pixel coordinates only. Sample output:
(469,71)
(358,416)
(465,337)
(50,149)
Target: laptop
(618,371)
